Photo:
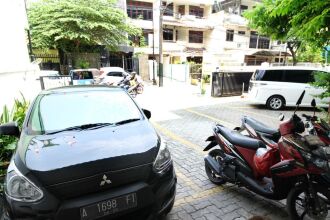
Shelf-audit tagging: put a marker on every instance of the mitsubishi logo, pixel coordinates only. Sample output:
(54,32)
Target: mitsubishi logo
(105,180)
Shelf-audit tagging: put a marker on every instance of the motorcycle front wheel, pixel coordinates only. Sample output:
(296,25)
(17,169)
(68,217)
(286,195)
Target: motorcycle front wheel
(300,206)
(213,177)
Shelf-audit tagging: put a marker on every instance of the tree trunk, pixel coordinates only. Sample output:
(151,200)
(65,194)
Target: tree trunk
(293,53)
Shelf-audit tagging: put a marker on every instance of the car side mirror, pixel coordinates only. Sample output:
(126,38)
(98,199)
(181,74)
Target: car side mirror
(147,113)
(10,128)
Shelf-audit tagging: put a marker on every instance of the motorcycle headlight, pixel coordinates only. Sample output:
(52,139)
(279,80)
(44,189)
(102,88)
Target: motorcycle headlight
(163,159)
(20,188)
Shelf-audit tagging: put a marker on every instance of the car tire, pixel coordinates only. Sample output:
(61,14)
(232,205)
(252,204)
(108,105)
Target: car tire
(275,102)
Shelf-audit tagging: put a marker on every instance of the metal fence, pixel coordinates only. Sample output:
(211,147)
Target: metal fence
(229,83)
(47,82)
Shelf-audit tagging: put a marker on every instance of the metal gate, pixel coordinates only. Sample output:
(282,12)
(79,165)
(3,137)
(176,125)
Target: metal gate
(47,82)
(229,83)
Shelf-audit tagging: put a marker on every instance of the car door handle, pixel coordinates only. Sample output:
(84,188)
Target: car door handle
(307,87)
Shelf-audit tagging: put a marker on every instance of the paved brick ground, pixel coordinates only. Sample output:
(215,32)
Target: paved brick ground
(197,197)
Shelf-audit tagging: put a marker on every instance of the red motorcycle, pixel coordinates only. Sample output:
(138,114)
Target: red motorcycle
(270,136)
(296,169)
(317,126)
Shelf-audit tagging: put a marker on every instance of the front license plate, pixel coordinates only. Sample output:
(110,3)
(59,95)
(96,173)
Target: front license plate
(108,207)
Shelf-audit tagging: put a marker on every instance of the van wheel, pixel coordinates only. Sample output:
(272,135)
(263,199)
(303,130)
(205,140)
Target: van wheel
(275,102)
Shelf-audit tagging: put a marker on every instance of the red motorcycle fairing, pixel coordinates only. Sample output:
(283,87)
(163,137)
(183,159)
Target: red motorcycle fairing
(248,155)
(265,160)
(222,143)
(287,150)
(286,127)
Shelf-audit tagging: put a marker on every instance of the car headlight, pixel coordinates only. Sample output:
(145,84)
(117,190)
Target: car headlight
(20,188)
(163,159)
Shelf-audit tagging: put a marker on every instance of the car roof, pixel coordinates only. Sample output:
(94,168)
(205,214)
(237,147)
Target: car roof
(79,70)
(82,88)
(114,68)
(290,68)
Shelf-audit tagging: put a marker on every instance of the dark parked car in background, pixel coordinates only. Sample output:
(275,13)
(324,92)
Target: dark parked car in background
(87,152)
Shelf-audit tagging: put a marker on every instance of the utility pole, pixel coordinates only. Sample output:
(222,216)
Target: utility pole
(153,54)
(160,66)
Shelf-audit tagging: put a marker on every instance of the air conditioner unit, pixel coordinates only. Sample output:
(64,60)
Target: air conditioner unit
(178,16)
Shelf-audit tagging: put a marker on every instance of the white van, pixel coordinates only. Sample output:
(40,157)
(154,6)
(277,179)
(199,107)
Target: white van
(277,87)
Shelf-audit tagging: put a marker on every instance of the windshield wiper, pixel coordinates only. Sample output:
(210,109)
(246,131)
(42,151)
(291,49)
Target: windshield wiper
(82,127)
(126,121)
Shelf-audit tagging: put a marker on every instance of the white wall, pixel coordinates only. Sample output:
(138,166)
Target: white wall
(16,72)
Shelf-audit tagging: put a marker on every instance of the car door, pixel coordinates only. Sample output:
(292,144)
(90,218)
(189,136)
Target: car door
(114,76)
(297,81)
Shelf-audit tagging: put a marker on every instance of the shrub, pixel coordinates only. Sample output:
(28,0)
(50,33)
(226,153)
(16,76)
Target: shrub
(8,143)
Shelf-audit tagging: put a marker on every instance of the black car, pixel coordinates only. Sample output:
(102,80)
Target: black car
(87,153)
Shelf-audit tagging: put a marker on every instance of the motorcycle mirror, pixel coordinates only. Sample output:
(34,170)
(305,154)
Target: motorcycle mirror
(281,117)
(300,98)
(299,101)
(313,104)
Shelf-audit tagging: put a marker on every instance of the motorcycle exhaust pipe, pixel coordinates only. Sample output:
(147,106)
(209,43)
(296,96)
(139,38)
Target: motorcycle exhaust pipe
(212,164)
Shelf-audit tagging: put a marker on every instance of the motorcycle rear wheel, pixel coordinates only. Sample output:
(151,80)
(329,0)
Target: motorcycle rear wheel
(299,207)
(214,178)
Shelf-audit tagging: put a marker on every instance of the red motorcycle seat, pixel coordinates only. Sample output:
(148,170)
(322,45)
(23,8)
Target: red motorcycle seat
(260,127)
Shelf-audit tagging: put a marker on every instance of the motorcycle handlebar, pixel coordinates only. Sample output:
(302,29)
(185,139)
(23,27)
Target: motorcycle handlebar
(307,116)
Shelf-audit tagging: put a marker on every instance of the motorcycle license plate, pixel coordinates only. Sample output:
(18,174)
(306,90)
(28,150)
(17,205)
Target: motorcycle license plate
(108,207)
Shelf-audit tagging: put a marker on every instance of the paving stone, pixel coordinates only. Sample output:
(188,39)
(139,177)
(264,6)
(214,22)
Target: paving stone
(184,216)
(197,197)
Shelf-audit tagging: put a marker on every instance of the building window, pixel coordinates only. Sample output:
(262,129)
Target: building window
(196,37)
(229,35)
(253,39)
(263,42)
(259,41)
(142,10)
(243,8)
(197,11)
(168,9)
(182,9)
(168,34)
(241,32)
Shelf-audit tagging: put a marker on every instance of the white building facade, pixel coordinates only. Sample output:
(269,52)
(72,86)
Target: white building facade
(15,68)
(211,33)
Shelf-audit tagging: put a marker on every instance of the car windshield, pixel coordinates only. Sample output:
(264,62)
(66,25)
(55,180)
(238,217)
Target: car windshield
(59,111)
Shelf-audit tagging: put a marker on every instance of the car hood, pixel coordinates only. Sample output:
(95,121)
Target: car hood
(72,155)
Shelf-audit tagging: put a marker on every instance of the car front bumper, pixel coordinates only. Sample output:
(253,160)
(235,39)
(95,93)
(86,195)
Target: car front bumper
(154,199)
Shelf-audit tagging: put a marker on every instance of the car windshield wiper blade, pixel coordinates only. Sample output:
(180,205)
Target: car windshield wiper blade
(82,127)
(127,121)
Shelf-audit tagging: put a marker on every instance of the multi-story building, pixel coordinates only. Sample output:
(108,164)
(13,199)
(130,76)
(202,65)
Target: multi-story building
(211,33)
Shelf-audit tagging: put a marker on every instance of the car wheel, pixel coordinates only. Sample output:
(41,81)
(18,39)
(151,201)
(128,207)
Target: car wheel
(275,102)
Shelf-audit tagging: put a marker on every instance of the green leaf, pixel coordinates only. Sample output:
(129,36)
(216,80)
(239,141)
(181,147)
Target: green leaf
(11,146)
(72,24)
